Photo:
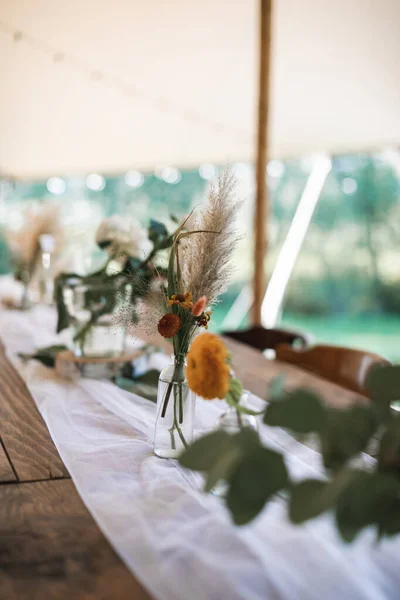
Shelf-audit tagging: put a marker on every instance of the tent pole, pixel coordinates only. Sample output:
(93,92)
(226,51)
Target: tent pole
(261,203)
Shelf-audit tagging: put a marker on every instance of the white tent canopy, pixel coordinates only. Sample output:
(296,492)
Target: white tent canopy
(106,86)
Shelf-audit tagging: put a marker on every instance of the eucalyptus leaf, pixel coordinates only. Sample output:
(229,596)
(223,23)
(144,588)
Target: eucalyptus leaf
(247,439)
(47,356)
(389,450)
(346,433)
(223,466)
(383,384)
(204,452)
(306,500)
(256,479)
(365,502)
(312,497)
(234,395)
(301,411)
(236,389)
(141,389)
(276,388)
(157,231)
(150,378)
(390,521)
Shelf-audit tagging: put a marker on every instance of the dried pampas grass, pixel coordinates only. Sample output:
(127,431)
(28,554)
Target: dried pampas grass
(25,243)
(206,257)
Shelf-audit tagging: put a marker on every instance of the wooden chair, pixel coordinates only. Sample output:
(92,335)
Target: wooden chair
(267,339)
(344,366)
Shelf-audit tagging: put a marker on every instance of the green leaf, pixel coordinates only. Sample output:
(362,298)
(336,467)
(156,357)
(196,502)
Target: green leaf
(346,433)
(311,497)
(365,502)
(234,395)
(301,411)
(389,449)
(256,479)
(383,384)
(157,231)
(149,378)
(132,265)
(306,502)
(276,388)
(47,356)
(141,389)
(390,521)
(247,439)
(203,453)
(223,466)
(165,243)
(236,389)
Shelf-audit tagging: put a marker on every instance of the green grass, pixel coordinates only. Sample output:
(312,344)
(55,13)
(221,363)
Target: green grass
(380,334)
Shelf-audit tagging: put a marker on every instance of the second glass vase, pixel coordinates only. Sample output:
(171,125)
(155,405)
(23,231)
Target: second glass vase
(175,412)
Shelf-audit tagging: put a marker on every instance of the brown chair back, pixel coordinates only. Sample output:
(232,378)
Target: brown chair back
(267,339)
(344,366)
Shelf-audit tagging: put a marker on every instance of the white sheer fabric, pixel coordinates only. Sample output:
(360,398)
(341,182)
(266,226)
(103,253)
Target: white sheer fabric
(177,541)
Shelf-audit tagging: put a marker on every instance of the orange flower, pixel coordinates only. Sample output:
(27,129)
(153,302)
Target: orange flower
(182,300)
(208,371)
(199,306)
(169,325)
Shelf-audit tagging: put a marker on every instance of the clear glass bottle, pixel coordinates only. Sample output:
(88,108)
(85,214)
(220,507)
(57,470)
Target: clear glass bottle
(232,422)
(96,313)
(175,411)
(46,280)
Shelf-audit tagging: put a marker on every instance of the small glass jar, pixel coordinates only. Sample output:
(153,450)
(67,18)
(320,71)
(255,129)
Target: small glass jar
(46,279)
(175,411)
(97,313)
(232,422)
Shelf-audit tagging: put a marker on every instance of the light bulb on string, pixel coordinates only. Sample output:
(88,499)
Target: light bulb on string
(95,182)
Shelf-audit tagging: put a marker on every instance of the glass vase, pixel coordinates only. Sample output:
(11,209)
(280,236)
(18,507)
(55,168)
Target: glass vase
(46,279)
(96,312)
(233,422)
(175,411)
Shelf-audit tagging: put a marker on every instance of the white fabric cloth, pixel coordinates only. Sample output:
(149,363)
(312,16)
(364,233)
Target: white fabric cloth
(177,541)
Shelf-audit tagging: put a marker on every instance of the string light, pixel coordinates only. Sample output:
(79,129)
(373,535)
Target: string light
(168,174)
(126,88)
(207,171)
(134,179)
(95,182)
(276,168)
(56,185)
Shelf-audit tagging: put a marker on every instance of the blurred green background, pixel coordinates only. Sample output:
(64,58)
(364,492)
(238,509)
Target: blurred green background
(345,287)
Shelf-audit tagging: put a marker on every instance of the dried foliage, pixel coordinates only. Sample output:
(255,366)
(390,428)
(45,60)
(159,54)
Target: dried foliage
(206,257)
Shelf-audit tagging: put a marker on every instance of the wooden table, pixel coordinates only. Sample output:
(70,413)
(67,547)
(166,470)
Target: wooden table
(50,547)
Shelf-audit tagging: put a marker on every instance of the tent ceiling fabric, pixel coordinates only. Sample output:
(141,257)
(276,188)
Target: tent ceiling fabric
(335,84)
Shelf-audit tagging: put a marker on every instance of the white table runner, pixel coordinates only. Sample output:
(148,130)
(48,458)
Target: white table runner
(178,542)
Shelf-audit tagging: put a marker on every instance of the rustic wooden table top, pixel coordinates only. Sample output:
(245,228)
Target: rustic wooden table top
(50,547)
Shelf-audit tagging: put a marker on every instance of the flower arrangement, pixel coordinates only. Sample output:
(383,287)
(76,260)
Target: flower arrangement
(41,228)
(198,272)
(126,276)
(359,493)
